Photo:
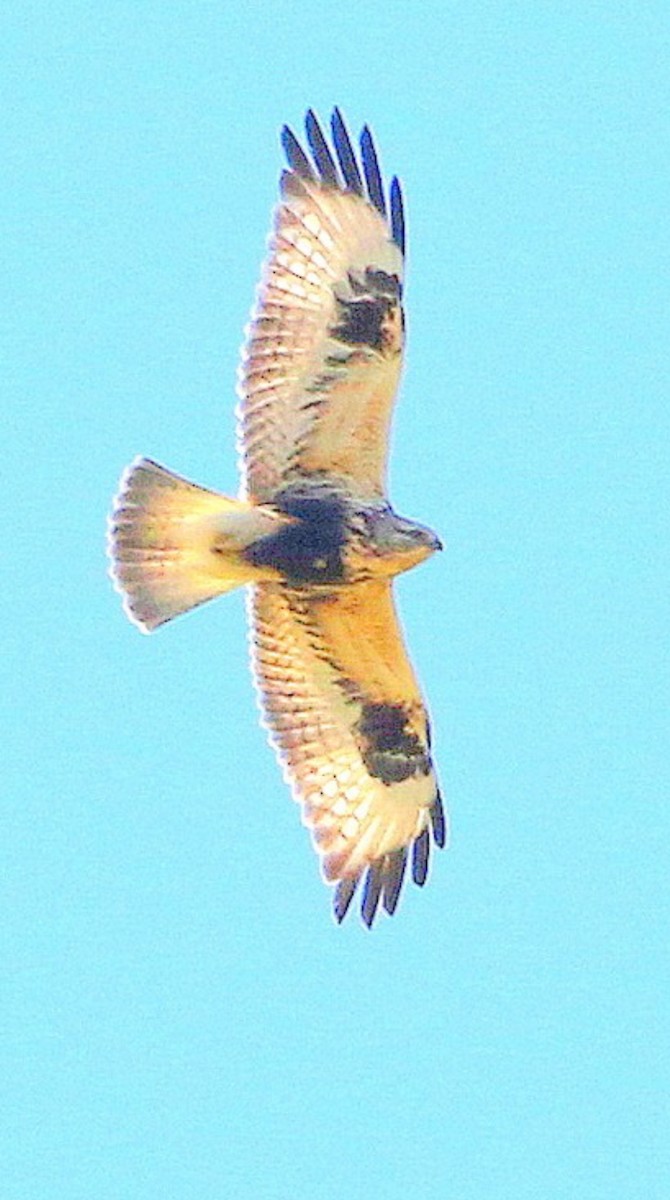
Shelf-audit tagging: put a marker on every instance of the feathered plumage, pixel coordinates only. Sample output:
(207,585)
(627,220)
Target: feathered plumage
(313,533)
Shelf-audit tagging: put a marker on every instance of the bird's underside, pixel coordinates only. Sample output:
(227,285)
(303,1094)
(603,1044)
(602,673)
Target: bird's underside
(313,534)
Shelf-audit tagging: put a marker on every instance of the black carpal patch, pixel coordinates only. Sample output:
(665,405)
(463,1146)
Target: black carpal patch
(364,319)
(381,283)
(311,550)
(361,322)
(391,751)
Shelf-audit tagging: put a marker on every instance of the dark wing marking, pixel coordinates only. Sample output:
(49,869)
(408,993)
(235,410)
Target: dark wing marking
(438,821)
(325,164)
(397,214)
(420,857)
(296,157)
(372,173)
(345,154)
(394,875)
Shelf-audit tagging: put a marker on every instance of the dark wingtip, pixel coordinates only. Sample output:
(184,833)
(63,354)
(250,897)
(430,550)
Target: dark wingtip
(383,883)
(321,154)
(345,153)
(420,857)
(397,214)
(438,822)
(393,879)
(385,876)
(295,155)
(371,892)
(344,894)
(342,170)
(371,171)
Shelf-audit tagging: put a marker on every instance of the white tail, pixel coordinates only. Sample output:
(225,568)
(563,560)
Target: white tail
(174,545)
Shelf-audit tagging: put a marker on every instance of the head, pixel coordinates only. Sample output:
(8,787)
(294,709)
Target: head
(404,542)
(417,541)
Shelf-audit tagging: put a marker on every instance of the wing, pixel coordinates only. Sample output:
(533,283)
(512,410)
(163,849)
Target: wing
(350,729)
(323,356)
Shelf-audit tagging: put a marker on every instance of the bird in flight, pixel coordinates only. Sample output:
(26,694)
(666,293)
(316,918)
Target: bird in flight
(313,534)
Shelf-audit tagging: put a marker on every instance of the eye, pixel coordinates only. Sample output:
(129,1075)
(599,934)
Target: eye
(376,521)
(319,564)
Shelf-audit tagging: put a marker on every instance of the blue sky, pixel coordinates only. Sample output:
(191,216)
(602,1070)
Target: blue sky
(179,1015)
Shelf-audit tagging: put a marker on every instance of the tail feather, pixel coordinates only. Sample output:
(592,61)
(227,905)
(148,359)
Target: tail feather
(174,545)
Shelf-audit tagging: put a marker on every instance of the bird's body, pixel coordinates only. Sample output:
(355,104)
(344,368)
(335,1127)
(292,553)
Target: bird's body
(313,533)
(336,540)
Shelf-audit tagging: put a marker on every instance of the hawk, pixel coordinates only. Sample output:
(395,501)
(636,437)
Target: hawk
(313,534)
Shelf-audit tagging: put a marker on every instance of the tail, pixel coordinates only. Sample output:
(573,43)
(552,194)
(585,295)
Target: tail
(174,545)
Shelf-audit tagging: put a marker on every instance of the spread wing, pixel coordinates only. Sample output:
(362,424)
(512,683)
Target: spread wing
(349,726)
(323,356)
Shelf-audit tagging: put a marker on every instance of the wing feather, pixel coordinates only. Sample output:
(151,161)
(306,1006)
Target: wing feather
(295,155)
(325,164)
(397,214)
(345,154)
(323,355)
(350,729)
(373,176)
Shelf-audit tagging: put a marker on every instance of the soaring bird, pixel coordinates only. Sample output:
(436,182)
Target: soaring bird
(313,534)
